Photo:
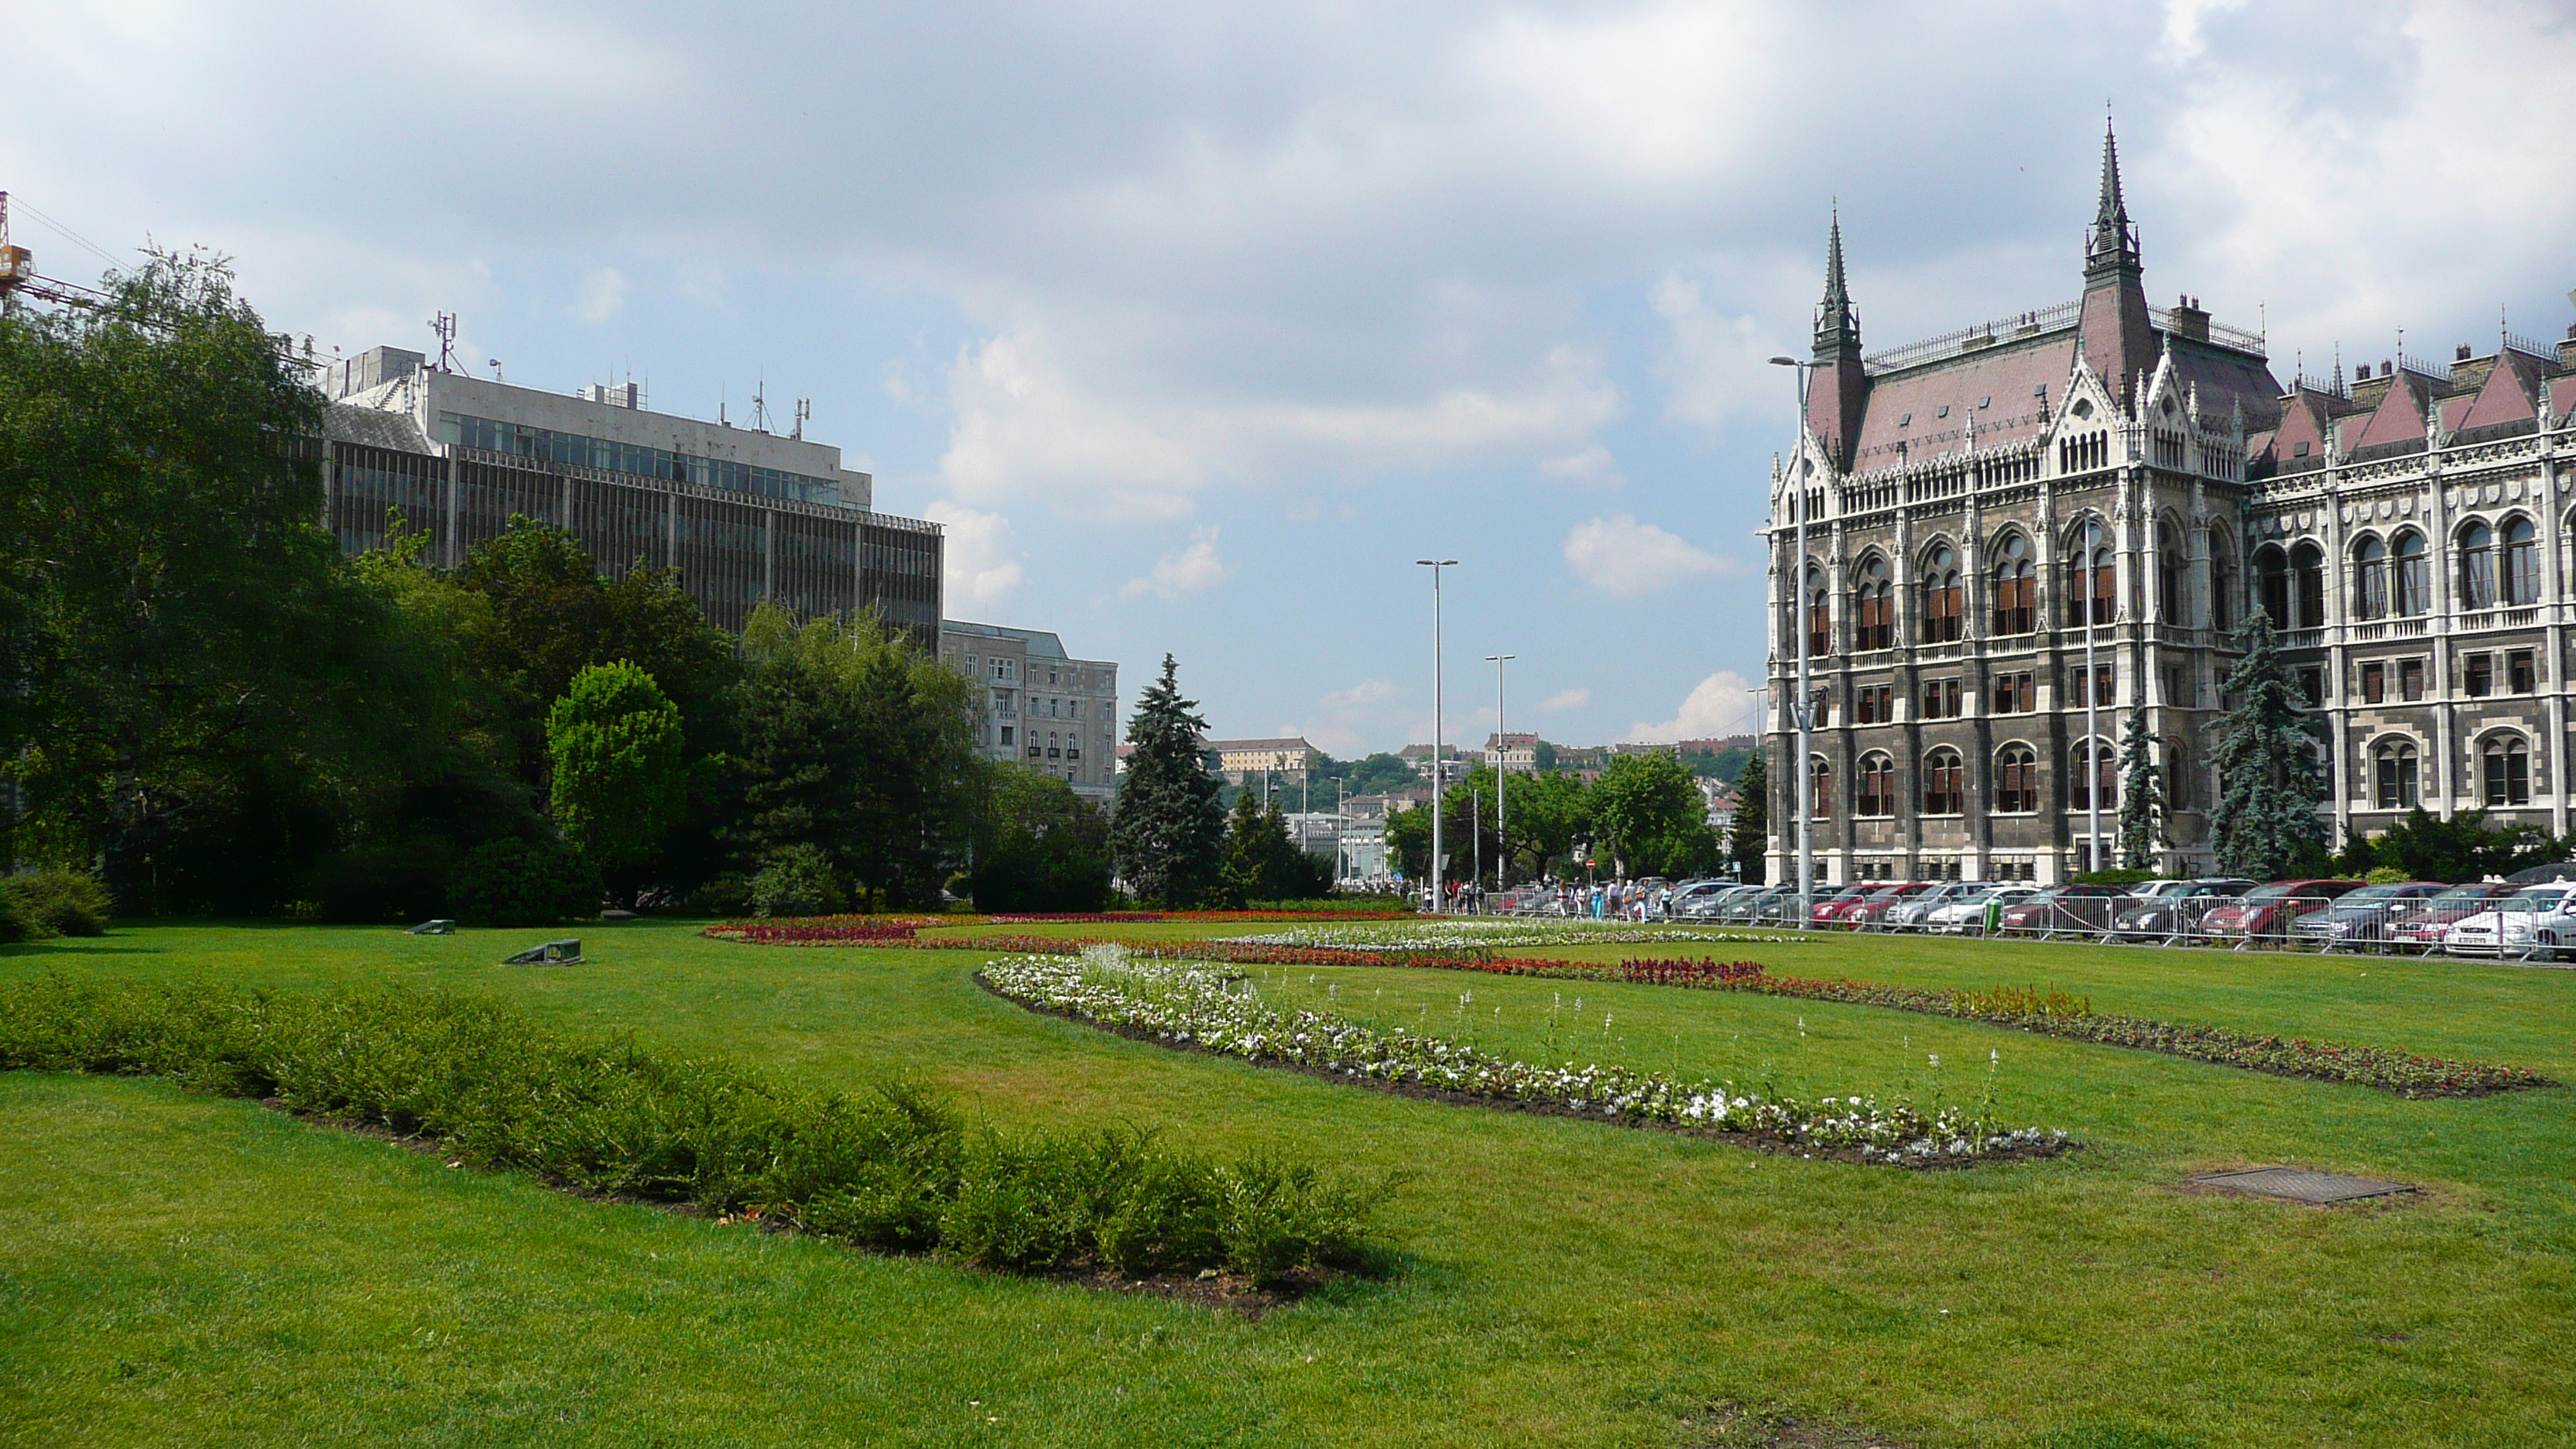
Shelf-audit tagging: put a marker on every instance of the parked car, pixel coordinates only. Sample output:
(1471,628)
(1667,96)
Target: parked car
(2532,923)
(2269,910)
(1772,903)
(1872,911)
(1971,911)
(1828,909)
(1908,915)
(2422,924)
(2362,917)
(1693,893)
(2064,908)
(2175,908)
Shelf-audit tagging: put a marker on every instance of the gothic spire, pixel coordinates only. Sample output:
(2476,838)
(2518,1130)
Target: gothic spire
(2113,242)
(1836,325)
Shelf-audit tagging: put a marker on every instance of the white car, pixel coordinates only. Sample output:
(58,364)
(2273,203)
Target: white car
(1912,915)
(1968,913)
(2530,923)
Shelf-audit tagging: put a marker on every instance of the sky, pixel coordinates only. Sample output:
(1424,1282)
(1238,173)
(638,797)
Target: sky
(1197,325)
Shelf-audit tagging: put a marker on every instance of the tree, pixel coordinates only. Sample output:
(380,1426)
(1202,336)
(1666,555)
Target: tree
(619,781)
(1168,829)
(1038,846)
(2142,796)
(198,700)
(2424,846)
(1549,813)
(1408,840)
(1262,863)
(1749,840)
(2269,780)
(1647,809)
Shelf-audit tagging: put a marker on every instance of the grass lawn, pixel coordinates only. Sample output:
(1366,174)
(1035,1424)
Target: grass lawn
(179,1269)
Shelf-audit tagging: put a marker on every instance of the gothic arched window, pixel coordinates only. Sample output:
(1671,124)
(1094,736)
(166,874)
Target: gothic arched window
(2504,765)
(2272,573)
(1820,614)
(1944,782)
(2414,576)
(2222,584)
(2521,563)
(1820,800)
(2103,772)
(1875,789)
(1943,599)
(2169,570)
(2370,580)
(2095,575)
(2308,562)
(1877,612)
(2016,780)
(2016,587)
(2397,770)
(2477,567)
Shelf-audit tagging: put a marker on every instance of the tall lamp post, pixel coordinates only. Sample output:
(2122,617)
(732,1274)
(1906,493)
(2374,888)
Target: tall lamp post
(2092,698)
(1437,731)
(1803,709)
(1502,760)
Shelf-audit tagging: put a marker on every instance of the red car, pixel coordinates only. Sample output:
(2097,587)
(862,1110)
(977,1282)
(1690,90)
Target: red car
(2268,910)
(1873,909)
(2422,923)
(2065,908)
(1846,912)
(1829,909)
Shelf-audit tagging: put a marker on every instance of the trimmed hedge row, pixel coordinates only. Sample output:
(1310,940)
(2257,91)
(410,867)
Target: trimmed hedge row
(894,1169)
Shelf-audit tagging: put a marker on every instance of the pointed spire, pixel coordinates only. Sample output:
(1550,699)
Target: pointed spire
(2112,245)
(2113,212)
(1837,292)
(1837,327)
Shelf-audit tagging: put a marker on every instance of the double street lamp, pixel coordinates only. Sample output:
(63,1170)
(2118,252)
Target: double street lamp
(1502,767)
(1802,708)
(1437,732)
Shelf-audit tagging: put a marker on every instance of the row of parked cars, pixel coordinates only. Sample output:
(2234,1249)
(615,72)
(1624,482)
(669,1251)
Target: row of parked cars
(2530,921)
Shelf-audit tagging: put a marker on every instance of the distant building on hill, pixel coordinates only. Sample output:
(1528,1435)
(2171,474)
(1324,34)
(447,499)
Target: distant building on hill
(1285,761)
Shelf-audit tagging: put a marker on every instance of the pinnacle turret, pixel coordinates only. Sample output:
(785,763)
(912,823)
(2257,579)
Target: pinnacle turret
(1837,326)
(2113,242)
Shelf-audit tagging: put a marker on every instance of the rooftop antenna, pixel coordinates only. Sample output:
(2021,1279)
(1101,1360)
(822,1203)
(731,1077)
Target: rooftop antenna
(804,413)
(721,420)
(444,324)
(493,363)
(760,405)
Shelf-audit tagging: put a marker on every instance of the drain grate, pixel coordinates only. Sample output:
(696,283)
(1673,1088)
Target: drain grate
(2297,1184)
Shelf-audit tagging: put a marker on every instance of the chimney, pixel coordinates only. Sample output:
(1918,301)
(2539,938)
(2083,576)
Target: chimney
(2189,321)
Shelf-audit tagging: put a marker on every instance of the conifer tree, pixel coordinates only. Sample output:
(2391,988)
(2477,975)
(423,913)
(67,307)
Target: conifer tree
(2142,796)
(1749,837)
(1168,833)
(2269,780)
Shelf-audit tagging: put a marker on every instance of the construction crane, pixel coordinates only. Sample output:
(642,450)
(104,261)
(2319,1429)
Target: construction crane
(18,276)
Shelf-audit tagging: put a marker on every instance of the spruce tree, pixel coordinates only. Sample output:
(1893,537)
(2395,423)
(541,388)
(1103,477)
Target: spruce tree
(2269,780)
(1168,832)
(1749,838)
(2142,796)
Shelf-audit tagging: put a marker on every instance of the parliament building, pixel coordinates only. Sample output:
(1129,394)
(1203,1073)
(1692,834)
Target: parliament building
(1975,502)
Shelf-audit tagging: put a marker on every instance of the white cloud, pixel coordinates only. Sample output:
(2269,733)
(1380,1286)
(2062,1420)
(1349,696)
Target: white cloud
(1715,365)
(1366,692)
(602,295)
(1620,556)
(1575,698)
(1192,570)
(981,553)
(1725,703)
(1593,467)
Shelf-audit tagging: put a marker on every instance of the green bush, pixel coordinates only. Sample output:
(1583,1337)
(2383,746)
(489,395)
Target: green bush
(56,902)
(2386,875)
(513,883)
(893,1169)
(406,881)
(728,895)
(797,881)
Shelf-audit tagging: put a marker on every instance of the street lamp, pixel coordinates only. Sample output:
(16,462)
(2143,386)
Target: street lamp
(2092,698)
(1502,762)
(1435,565)
(1803,709)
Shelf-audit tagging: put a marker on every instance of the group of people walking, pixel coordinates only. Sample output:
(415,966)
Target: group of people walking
(1609,900)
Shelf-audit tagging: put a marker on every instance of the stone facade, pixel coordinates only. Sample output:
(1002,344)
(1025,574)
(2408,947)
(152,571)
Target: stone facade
(1041,707)
(1972,498)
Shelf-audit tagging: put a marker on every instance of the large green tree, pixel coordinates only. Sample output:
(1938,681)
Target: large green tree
(1648,810)
(2466,847)
(2269,779)
(199,694)
(1262,861)
(1168,829)
(1748,839)
(2142,796)
(620,782)
(1038,846)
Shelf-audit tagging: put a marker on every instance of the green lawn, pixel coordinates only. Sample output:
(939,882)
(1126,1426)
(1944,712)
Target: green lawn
(178,1269)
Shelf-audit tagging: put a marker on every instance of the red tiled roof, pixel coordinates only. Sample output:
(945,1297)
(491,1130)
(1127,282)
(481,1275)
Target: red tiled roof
(1995,386)
(2399,416)
(2562,396)
(2506,398)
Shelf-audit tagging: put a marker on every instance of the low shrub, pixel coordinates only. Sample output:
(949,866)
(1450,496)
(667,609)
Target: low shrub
(56,902)
(514,883)
(894,1168)
(798,880)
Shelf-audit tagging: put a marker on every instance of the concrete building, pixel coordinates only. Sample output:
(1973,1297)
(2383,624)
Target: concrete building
(744,514)
(1980,503)
(1285,761)
(1042,707)
(1515,753)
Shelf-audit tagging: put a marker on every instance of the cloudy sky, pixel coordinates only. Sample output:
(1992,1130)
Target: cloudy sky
(1197,323)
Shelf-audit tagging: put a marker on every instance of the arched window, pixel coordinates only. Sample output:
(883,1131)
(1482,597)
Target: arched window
(2477,567)
(2016,587)
(1874,792)
(1943,599)
(1820,614)
(2397,769)
(2308,562)
(2222,584)
(2521,562)
(2096,576)
(2177,775)
(2272,575)
(1877,612)
(2414,576)
(2169,567)
(1944,783)
(1821,802)
(2370,580)
(2504,764)
(2104,773)
(2016,780)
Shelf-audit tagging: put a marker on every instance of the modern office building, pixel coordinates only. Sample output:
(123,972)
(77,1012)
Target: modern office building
(744,514)
(1042,707)
(1981,505)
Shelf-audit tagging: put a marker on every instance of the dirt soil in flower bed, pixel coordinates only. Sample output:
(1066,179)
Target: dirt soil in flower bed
(1225,1292)
(1748,1141)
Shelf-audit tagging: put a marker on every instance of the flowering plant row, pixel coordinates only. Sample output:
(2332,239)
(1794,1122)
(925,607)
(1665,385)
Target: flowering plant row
(811,933)
(1223,1012)
(1490,934)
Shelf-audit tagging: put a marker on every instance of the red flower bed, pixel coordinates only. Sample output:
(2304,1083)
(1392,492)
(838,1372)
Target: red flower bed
(811,933)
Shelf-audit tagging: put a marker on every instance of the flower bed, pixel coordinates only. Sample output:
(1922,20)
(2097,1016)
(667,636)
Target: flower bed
(1504,933)
(1220,1012)
(811,933)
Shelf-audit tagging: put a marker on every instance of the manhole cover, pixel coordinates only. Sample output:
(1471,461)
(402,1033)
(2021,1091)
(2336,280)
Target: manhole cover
(2297,1184)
